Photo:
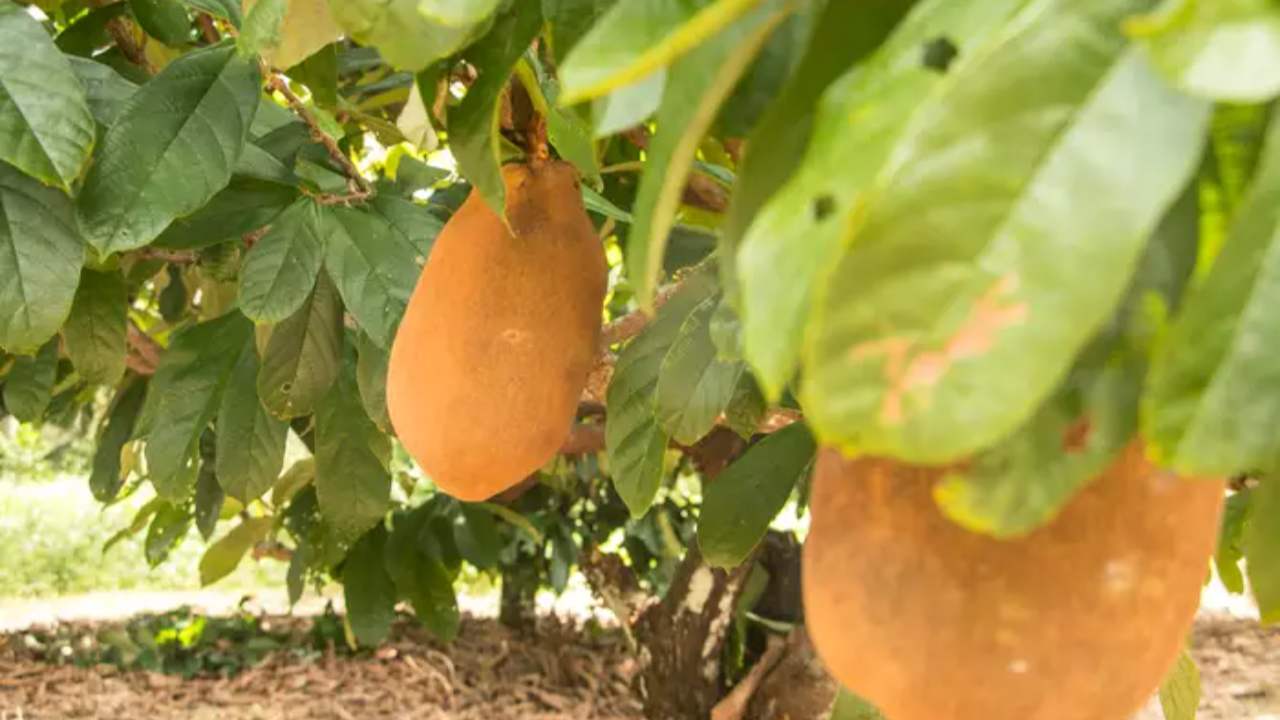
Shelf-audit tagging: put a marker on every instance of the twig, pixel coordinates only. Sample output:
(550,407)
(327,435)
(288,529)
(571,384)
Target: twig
(172,256)
(145,355)
(360,189)
(208,29)
(734,705)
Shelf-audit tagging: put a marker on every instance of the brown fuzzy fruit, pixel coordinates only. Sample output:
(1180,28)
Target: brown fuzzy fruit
(499,336)
(1079,620)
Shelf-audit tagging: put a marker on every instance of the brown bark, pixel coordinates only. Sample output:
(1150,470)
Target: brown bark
(682,640)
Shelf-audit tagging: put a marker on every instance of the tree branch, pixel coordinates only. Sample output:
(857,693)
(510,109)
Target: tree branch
(359,186)
(120,30)
(207,29)
(144,351)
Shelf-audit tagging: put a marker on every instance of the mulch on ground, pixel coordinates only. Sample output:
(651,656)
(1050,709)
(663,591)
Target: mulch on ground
(557,672)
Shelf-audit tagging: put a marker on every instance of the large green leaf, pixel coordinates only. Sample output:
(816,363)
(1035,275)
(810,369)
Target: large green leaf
(260,31)
(29,385)
(352,482)
(371,377)
(46,129)
(105,480)
(629,105)
(245,205)
(106,90)
(635,440)
(696,86)
(790,243)
(841,34)
(473,125)
(636,37)
(96,329)
(694,387)
(1180,691)
(168,528)
(172,148)
(1213,394)
(40,256)
(1225,50)
(1262,548)
(250,449)
(739,504)
(421,578)
(1024,480)
(308,26)
(222,557)
(569,20)
(369,592)
(406,37)
(164,20)
(281,268)
(972,279)
(375,265)
(184,396)
(303,357)
(1235,516)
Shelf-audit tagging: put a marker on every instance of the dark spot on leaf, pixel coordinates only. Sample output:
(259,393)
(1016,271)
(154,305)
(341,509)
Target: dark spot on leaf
(823,206)
(939,53)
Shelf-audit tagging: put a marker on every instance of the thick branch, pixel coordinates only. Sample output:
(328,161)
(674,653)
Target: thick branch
(359,187)
(121,32)
(144,351)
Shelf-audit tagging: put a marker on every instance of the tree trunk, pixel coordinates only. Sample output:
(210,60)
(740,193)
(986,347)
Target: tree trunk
(682,640)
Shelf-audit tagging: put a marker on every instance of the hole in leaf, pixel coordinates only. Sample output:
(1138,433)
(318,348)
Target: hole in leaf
(939,53)
(823,205)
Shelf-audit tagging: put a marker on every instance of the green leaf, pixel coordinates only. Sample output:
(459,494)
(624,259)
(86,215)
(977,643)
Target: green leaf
(1211,382)
(228,9)
(171,150)
(105,479)
(374,262)
(46,130)
(1262,549)
(280,270)
(746,407)
(106,90)
(696,86)
(352,482)
(369,592)
(96,329)
(29,385)
(473,125)
(245,205)
(629,105)
(1204,47)
(184,396)
(739,504)
(222,557)
(88,32)
(261,29)
(303,358)
(1180,692)
(209,496)
(636,37)
(1230,550)
(789,244)
(851,707)
(164,20)
(693,386)
(767,75)
(371,377)
(841,34)
(298,476)
(421,578)
(970,265)
(169,526)
(250,451)
(569,20)
(1022,482)
(407,38)
(475,531)
(634,438)
(40,256)
(457,13)
(308,27)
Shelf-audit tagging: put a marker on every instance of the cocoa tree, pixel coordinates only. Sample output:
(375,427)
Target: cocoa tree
(1000,238)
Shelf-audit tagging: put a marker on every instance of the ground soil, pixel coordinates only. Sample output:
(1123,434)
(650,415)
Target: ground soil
(560,671)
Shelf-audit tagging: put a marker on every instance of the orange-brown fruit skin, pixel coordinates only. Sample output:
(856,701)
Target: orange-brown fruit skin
(499,335)
(1080,620)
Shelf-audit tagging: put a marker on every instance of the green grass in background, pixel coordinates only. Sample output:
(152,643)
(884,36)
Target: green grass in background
(51,536)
